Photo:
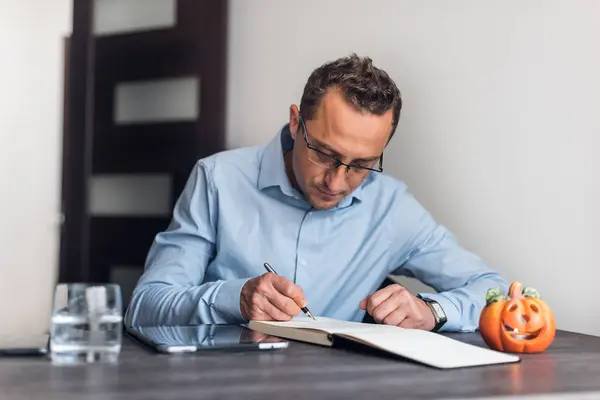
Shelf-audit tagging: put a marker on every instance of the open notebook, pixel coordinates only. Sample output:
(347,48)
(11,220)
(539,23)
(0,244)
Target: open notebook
(422,346)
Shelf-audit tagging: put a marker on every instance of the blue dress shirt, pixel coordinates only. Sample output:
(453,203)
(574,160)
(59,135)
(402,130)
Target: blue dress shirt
(239,210)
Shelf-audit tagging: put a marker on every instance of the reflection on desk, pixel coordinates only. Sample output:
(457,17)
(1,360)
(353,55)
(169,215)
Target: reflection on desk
(199,335)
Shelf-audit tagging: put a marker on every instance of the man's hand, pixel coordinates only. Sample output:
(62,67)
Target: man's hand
(271,297)
(394,305)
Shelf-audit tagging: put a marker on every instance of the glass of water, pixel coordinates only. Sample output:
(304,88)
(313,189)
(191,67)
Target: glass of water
(87,322)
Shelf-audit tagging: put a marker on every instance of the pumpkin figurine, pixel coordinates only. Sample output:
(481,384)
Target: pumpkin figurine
(519,323)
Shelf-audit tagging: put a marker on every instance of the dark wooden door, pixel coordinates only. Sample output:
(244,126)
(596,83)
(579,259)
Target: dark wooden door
(151,140)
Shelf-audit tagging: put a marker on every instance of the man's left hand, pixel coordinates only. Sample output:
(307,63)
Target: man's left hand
(394,305)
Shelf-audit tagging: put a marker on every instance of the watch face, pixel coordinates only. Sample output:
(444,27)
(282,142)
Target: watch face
(438,310)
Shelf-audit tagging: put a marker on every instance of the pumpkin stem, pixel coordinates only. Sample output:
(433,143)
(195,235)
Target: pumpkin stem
(493,295)
(514,291)
(528,291)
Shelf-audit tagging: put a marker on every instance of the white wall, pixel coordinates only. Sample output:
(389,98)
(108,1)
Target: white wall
(499,128)
(31,82)
(496,136)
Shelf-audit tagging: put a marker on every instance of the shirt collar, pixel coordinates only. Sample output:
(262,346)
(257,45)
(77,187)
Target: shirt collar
(272,169)
(272,166)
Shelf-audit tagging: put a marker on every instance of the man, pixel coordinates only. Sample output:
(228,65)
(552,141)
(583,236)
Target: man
(316,206)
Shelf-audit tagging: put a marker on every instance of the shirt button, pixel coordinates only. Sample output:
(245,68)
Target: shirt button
(302,262)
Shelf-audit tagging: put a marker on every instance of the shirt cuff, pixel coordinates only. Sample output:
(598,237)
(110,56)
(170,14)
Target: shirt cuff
(452,313)
(227,300)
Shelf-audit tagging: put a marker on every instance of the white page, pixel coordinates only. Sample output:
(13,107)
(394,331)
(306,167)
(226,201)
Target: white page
(418,345)
(433,349)
(325,324)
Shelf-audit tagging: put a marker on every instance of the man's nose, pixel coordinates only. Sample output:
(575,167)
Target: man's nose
(336,179)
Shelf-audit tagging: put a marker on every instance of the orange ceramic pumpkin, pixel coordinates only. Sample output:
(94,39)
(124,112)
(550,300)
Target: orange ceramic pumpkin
(519,323)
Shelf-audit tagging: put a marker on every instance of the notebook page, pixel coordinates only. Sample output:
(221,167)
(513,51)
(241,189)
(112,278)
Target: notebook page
(328,325)
(431,348)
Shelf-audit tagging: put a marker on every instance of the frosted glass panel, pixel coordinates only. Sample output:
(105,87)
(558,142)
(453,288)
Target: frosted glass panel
(121,16)
(133,195)
(174,99)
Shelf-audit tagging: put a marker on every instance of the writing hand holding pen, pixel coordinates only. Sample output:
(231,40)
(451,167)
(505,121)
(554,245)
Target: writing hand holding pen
(271,297)
(304,309)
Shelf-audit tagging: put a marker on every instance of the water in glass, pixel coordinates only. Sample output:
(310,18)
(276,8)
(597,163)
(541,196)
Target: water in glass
(87,326)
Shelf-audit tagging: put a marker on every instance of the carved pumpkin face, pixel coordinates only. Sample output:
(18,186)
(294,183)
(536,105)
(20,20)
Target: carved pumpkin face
(519,323)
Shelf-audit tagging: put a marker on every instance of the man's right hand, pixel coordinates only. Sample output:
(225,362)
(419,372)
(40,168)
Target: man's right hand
(271,297)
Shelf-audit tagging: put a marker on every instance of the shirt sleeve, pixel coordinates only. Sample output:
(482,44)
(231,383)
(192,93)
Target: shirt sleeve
(434,257)
(172,291)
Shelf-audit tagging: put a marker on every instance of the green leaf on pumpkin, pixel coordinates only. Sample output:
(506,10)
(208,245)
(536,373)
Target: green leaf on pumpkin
(493,295)
(528,291)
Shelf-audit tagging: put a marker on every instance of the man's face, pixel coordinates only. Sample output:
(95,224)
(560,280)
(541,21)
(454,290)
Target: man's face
(341,131)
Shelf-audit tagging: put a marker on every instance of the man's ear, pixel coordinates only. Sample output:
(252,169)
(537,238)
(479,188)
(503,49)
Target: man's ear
(294,120)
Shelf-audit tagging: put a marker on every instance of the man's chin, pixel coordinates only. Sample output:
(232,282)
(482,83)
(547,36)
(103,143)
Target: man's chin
(319,205)
(325,202)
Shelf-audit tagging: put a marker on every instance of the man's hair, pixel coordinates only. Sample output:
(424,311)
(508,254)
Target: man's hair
(363,85)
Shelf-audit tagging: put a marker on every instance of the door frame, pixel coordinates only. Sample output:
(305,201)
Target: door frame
(77,145)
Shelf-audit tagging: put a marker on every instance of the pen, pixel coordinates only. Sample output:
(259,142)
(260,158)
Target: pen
(304,309)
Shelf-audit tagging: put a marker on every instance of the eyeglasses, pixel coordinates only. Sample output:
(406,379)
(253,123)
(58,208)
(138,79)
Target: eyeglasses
(330,162)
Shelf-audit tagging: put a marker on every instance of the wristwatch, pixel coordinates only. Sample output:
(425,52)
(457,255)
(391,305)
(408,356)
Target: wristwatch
(438,313)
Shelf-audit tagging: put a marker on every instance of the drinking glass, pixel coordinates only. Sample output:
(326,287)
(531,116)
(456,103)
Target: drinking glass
(87,322)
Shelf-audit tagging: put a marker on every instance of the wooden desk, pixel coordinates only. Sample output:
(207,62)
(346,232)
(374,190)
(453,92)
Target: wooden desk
(570,365)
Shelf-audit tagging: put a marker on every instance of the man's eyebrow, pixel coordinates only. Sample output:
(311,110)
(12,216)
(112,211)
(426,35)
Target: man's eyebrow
(339,155)
(368,159)
(326,146)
